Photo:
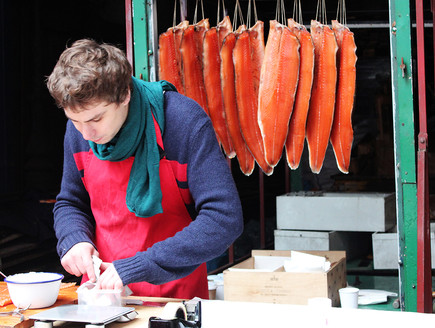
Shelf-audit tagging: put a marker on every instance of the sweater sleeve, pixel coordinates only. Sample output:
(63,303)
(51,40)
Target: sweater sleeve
(219,220)
(73,221)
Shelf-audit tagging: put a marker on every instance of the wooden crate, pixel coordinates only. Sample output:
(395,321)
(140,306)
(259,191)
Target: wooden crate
(285,287)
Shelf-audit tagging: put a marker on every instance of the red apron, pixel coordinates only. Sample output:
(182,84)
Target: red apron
(120,234)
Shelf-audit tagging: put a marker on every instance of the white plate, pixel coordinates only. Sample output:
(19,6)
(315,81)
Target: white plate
(374,296)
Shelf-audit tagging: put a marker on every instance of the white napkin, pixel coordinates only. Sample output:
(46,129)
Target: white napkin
(97,263)
(303,262)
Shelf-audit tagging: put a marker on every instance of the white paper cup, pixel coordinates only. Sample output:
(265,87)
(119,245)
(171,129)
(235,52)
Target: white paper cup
(219,289)
(349,297)
(211,290)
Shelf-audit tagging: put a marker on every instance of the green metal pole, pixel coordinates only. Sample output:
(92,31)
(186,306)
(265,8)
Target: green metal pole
(144,39)
(404,151)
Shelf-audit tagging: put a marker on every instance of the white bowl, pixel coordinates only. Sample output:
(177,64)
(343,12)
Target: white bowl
(34,289)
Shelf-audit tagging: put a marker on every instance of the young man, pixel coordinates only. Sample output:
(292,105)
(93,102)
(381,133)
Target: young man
(145,186)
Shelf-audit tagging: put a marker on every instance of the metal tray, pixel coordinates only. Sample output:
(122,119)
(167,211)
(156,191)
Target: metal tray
(92,314)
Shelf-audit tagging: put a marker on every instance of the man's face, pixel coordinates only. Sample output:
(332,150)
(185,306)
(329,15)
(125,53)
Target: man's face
(99,121)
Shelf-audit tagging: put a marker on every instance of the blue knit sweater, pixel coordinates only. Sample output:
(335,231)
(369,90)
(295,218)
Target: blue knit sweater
(216,213)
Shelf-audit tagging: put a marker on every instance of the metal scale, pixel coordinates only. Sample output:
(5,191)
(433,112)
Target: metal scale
(91,315)
(95,316)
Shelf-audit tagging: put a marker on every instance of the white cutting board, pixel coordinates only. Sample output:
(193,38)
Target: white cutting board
(218,314)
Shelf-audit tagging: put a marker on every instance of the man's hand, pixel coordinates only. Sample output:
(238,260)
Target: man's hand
(78,260)
(109,279)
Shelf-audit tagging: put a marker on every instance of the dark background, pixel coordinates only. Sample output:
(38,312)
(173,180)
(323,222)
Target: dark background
(34,33)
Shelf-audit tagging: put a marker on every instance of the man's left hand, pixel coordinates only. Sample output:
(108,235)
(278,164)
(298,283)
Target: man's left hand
(109,279)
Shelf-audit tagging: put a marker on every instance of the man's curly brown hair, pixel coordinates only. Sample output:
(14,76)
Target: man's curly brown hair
(89,72)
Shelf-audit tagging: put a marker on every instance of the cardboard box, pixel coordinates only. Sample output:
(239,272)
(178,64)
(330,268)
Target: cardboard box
(328,211)
(354,243)
(248,284)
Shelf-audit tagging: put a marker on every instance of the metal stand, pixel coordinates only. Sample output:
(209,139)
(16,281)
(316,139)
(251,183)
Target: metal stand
(49,324)
(43,324)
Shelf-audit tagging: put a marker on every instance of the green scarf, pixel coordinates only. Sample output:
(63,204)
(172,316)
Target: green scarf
(137,138)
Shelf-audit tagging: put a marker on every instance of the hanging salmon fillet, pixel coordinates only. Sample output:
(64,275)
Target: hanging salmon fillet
(169,56)
(178,31)
(296,133)
(342,132)
(200,28)
(321,112)
(256,35)
(213,88)
(224,27)
(244,157)
(278,83)
(191,49)
(246,69)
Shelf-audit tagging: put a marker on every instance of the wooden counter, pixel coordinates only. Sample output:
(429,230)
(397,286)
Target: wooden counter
(151,306)
(67,295)
(144,313)
(218,314)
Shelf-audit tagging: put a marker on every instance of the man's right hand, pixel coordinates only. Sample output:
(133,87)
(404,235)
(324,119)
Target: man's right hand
(78,260)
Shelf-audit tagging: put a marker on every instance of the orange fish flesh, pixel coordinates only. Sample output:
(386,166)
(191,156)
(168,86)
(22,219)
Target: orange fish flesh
(246,69)
(168,65)
(256,35)
(244,156)
(200,28)
(322,103)
(294,145)
(178,32)
(278,83)
(213,88)
(342,132)
(224,27)
(191,49)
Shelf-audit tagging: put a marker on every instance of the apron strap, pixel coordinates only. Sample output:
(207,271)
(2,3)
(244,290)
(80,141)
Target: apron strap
(159,138)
